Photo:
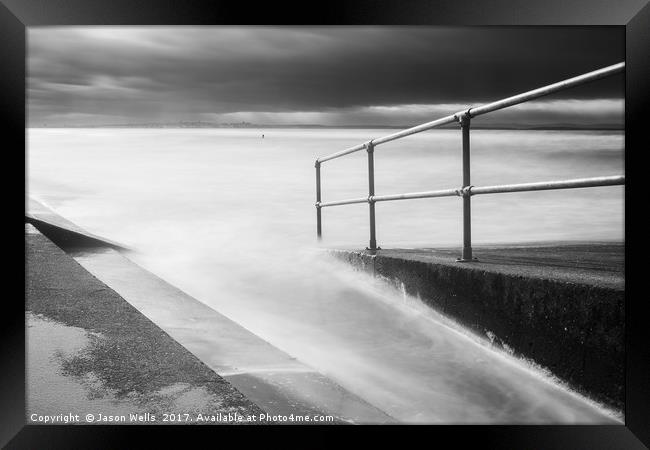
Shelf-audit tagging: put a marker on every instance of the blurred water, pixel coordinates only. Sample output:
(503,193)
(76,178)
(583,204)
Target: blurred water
(228,217)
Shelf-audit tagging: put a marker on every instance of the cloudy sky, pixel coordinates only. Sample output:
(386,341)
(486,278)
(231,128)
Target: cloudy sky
(316,75)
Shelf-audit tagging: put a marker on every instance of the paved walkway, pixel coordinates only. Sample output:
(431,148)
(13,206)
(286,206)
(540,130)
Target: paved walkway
(90,352)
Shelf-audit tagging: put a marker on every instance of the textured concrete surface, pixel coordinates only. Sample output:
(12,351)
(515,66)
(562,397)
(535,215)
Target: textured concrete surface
(561,305)
(598,264)
(85,343)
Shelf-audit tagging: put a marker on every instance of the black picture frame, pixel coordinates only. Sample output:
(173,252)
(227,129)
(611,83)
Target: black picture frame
(634,15)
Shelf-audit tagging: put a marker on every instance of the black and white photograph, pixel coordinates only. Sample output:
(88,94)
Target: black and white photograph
(187,263)
(308,225)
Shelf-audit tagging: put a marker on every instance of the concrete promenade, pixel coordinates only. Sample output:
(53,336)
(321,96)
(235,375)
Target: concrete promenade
(91,352)
(558,304)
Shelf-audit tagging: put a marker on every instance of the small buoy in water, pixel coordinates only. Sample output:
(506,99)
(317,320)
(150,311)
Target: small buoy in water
(262,136)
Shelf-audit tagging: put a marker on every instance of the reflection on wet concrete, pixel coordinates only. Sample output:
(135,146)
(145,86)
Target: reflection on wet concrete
(67,373)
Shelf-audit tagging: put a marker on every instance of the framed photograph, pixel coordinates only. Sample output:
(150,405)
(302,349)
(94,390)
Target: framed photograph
(397,216)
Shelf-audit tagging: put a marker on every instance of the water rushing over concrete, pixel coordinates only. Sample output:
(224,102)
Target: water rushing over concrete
(275,381)
(398,355)
(375,341)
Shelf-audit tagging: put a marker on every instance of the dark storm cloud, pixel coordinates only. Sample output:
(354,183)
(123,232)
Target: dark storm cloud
(122,74)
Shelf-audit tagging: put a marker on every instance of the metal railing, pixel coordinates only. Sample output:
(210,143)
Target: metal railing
(466,191)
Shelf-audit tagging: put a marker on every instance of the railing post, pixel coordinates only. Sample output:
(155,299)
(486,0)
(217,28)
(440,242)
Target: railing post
(370,148)
(318,207)
(464,120)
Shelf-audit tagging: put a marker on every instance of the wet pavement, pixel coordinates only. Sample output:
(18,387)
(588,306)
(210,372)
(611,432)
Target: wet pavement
(90,352)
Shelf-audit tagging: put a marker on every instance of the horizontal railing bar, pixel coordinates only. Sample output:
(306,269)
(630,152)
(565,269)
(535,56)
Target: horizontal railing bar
(496,189)
(489,107)
(391,137)
(546,90)
(549,185)
(342,202)
(411,195)
(347,151)
(417,129)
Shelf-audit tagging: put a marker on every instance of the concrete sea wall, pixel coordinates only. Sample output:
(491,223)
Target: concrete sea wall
(575,329)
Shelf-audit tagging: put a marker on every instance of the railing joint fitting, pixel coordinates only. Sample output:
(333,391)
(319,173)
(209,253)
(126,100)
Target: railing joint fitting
(318,205)
(317,164)
(369,146)
(463,117)
(371,199)
(464,191)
